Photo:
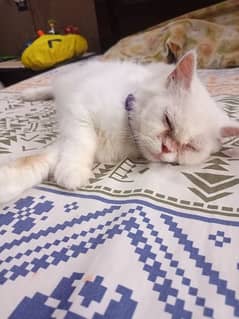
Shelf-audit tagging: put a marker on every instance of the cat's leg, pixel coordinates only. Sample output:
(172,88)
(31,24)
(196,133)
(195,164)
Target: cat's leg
(74,167)
(25,172)
(37,93)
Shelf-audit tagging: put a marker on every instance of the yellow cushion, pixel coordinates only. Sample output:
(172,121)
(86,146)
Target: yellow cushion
(51,49)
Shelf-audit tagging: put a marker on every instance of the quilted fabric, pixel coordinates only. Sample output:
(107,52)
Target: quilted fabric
(213,31)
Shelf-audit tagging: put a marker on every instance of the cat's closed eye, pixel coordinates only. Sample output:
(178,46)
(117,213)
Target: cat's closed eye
(168,122)
(189,147)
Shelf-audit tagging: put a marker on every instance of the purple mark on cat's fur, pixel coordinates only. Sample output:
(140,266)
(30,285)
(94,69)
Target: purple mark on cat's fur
(129,102)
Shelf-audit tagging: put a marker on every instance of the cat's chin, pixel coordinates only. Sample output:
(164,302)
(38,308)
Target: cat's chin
(161,157)
(168,157)
(174,158)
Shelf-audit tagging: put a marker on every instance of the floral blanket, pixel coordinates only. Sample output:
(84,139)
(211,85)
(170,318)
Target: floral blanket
(213,31)
(140,241)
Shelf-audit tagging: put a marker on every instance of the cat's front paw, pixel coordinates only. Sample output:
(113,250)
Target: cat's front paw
(9,188)
(9,193)
(72,178)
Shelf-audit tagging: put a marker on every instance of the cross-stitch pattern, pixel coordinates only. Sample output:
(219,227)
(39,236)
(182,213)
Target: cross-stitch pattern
(142,240)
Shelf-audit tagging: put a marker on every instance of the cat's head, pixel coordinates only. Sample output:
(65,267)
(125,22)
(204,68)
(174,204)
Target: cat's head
(176,120)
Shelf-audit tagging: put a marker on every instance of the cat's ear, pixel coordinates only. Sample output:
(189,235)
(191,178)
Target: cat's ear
(184,70)
(228,131)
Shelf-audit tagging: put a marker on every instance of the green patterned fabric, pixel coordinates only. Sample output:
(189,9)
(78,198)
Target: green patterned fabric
(213,31)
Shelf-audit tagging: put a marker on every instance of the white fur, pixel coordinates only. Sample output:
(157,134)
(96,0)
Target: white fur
(42,93)
(94,124)
(17,176)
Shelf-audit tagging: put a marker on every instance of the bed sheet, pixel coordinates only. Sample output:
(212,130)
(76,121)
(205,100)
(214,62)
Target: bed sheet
(141,240)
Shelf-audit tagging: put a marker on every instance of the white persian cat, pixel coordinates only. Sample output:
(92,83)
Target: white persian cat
(112,110)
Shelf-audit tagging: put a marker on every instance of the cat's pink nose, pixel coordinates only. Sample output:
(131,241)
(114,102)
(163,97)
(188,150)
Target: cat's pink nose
(165,149)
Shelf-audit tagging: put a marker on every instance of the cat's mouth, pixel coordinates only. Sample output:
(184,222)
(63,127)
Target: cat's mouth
(170,155)
(168,152)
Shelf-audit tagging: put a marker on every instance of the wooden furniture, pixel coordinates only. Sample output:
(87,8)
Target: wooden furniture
(19,27)
(13,71)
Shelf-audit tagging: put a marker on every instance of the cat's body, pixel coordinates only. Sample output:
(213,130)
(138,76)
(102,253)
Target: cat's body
(105,87)
(171,118)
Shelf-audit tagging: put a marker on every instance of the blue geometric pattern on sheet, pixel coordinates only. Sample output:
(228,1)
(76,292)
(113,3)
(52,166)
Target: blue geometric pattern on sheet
(219,238)
(142,240)
(200,262)
(25,214)
(58,303)
(160,252)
